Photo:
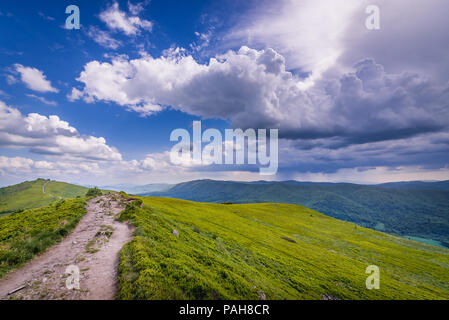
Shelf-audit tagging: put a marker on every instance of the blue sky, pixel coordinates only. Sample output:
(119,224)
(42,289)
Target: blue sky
(34,36)
(350,104)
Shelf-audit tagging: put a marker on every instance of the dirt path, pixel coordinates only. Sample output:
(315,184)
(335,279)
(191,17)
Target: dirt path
(43,186)
(43,191)
(93,247)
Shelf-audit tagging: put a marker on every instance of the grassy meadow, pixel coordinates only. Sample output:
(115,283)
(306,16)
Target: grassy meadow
(272,251)
(390,208)
(26,234)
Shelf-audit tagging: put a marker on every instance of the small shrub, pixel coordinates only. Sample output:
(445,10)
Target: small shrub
(93,192)
(123,194)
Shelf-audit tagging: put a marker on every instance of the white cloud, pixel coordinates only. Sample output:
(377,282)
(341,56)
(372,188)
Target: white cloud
(74,95)
(44,16)
(202,42)
(413,37)
(10,79)
(43,100)
(50,136)
(103,38)
(253,90)
(34,79)
(15,164)
(363,117)
(309,33)
(4,94)
(152,168)
(351,111)
(137,8)
(17,169)
(319,36)
(376,175)
(116,19)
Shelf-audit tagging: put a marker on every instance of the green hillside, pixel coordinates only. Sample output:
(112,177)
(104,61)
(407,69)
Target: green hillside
(37,193)
(25,234)
(188,250)
(404,212)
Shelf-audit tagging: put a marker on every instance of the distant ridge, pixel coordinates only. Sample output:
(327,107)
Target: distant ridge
(418,209)
(139,189)
(37,193)
(417,185)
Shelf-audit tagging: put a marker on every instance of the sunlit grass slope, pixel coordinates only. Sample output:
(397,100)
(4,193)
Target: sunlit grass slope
(420,213)
(25,234)
(30,194)
(281,251)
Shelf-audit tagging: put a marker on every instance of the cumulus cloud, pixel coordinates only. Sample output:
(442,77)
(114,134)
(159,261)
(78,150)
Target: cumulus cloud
(34,79)
(413,36)
(335,107)
(118,20)
(15,164)
(316,36)
(75,94)
(50,136)
(310,34)
(21,165)
(91,171)
(252,89)
(151,168)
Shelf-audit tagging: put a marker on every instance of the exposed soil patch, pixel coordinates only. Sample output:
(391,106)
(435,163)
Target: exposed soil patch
(93,247)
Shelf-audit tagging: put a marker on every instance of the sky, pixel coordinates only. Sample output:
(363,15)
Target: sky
(96,105)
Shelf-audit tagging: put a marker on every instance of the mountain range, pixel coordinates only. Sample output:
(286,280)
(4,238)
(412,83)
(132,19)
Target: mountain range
(410,209)
(138,189)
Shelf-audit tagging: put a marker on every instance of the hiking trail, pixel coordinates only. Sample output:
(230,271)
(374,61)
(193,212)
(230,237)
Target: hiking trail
(93,247)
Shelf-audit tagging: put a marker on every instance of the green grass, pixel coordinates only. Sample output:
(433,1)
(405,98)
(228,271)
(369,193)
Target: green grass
(285,251)
(404,212)
(28,195)
(25,234)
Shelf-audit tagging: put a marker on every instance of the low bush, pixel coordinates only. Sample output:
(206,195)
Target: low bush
(93,192)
